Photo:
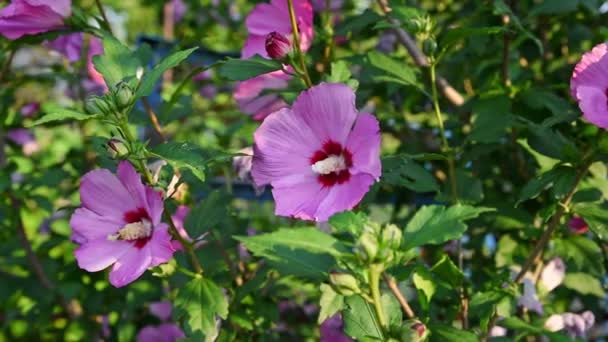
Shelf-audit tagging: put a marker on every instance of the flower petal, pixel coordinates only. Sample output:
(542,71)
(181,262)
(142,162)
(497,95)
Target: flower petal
(299,200)
(329,110)
(344,196)
(130,266)
(591,70)
(283,146)
(160,248)
(99,254)
(131,180)
(593,102)
(364,144)
(89,225)
(102,193)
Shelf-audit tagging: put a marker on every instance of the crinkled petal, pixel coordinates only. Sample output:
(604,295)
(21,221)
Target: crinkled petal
(99,254)
(284,144)
(130,266)
(299,200)
(20,18)
(91,226)
(266,18)
(131,180)
(155,204)
(593,102)
(344,196)
(329,110)
(102,193)
(160,248)
(591,70)
(364,143)
(61,7)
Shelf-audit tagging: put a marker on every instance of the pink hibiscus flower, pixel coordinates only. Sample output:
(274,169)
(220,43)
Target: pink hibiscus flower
(119,224)
(27,17)
(589,85)
(321,156)
(70,45)
(262,21)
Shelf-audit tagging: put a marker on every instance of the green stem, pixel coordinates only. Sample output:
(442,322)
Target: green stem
(375,271)
(188,248)
(296,43)
(104,16)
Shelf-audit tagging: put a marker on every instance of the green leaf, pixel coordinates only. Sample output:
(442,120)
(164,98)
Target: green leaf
(492,119)
(340,73)
(500,8)
(392,309)
(199,303)
(146,86)
(182,156)
(360,319)
(117,62)
(596,218)
(56,113)
(330,303)
(448,272)
(483,305)
(348,222)
(402,171)
(583,252)
(516,323)
(452,36)
(394,71)
(357,23)
(447,333)
(209,213)
(561,178)
(551,143)
(585,284)
(555,7)
(436,224)
(305,252)
(244,69)
(425,284)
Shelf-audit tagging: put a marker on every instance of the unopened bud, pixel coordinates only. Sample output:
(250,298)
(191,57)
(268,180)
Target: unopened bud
(429,46)
(344,283)
(277,46)
(368,246)
(391,236)
(116,147)
(123,95)
(577,225)
(414,331)
(96,105)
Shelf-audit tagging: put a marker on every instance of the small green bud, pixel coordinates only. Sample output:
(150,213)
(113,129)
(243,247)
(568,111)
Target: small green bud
(413,331)
(96,105)
(344,283)
(429,46)
(368,246)
(123,95)
(116,148)
(391,236)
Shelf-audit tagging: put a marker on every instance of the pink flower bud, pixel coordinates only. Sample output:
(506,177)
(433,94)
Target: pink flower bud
(577,225)
(277,45)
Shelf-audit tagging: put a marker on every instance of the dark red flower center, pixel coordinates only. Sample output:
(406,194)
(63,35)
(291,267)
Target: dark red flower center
(135,216)
(332,163)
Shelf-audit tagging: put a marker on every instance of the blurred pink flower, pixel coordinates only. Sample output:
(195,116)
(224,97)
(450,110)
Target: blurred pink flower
(263,20)
(179,10)
(589,85)
(274,17)
(166,332)
(332,330)
(529,298)
(162,310)
(179,219)
(248,94)
(577,225)
(321,156)
(30,109)
(119,224)
(71,45)
(575,325)
(27,17)
(553,274)
(24,138)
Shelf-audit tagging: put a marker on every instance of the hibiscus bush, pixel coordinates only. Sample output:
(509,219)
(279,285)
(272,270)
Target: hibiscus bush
(333,170)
